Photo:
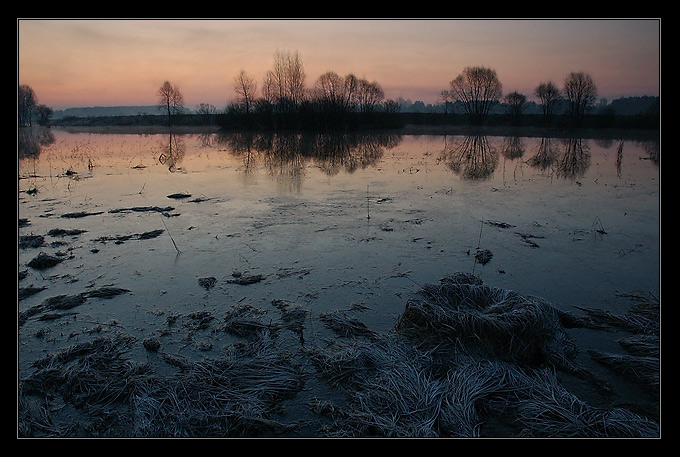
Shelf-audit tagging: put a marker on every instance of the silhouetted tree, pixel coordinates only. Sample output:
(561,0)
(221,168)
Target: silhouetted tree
(369,95)
(246,89)
(549,95)
(206,111)
(515,103)
(351,90)
(44,114)
(171,100)
(391,106)
(580,93)
(448,98)
(286,82)
(478,89)
(331,91)
(26,101)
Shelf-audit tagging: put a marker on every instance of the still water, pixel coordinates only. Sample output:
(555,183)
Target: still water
(335,222)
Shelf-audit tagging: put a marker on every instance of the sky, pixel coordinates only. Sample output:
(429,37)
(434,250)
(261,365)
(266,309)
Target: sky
(83,62)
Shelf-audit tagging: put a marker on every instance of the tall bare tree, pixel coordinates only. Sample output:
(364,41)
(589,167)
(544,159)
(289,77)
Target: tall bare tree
(549,95)
(287,80)
(580,92)
(369,95)
(246,89)
(268,88)
(27,102)
(351,90)
(515,103)
(478,88)
(44,114)
(330,90)
(170,100)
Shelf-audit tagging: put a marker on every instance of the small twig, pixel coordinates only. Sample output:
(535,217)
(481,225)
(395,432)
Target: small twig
(479,243)
(368,210)
(169,234)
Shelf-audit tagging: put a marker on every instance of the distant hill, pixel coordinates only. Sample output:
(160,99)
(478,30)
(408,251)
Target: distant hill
(98,111)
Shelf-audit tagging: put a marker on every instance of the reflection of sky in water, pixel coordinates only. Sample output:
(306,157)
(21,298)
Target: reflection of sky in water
(265,209)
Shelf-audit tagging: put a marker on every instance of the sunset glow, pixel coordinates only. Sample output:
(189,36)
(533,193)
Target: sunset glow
(70,63)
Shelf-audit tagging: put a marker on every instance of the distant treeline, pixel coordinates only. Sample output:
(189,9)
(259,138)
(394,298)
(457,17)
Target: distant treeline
(360,121)
(625,106)
(310,119)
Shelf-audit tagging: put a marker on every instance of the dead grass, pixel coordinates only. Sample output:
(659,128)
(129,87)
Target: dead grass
(230,396)
(462,314)
(641,363)
(462,356)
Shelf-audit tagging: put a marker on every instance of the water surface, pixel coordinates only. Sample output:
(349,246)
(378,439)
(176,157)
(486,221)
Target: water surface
(334,222)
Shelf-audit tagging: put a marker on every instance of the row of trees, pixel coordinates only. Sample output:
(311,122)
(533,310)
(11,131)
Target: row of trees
(284,93)
(284,100)
(29,109)
(479,89)
(284,90)
(334,99)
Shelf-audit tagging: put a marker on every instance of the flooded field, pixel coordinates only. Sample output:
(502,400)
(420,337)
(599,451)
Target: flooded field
(193,246)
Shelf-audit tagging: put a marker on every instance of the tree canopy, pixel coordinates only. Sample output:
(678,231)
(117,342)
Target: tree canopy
(478,88)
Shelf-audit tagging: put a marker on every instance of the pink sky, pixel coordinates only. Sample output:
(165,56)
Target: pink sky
(71,63)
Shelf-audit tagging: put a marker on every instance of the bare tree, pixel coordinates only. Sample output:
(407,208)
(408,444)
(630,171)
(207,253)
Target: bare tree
(206,111)
(447,98)
(351,91)
(330,90)
(269,91)
(370,95)
(246,88)
(391,106)
(478,88)
(27,102)
(580,92)
(515,103)
(287,80)
(549,95)
(171,100)
(44,114)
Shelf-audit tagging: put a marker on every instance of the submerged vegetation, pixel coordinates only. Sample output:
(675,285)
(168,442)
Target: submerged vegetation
(461,356)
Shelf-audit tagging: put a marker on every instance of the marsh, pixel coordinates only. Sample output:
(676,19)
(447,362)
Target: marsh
(190,227)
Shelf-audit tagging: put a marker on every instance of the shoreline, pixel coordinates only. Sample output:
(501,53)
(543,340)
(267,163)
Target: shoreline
(408,129)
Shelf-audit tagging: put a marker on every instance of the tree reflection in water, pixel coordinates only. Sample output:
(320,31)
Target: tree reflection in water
(513,147)
(475,158)
(31,140)
(173,152)
(289,154)
(472,159)
(546,155)
(575,159)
